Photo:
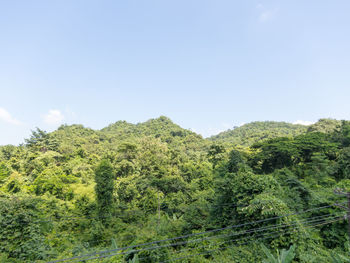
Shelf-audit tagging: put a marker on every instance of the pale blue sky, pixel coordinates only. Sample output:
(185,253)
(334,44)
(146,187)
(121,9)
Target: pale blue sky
(208,65)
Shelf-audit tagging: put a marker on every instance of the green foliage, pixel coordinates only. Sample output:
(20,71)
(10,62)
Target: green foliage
(135,259)
(216,154)
(248,134)
(255,193)
(285,152)
(344,133)
(285,256)
(4,172)
(55,182)
(77,190)
(235,160)
(104,178)
(342,167)
(7,151)
(336,258)
(325,126)
(40,140)
(274,154)
(21,237)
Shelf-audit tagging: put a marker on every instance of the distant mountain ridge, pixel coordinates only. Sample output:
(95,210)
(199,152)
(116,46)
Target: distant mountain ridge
(153,127)
(253,132)
(166,130)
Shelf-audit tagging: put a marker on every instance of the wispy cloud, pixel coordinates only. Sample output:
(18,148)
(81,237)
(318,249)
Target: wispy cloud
(210,131)
(303,122)
(6,116)
(266,14)
(53,117)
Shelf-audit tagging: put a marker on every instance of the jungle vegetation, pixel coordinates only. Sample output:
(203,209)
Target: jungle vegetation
(262,192)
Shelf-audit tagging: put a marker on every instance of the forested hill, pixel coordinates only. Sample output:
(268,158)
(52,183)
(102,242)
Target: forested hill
(162,128)
(158,127)
(253,132)
(155,192)
(248,134)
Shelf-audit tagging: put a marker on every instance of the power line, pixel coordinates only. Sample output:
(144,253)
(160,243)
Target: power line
(232,234)
(262,237)
(214,250)
(194,234)
(188,235)
(190,241)
(98,241)
(249,231)
(296,223)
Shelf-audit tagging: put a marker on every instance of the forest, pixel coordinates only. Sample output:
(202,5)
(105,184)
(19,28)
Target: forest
(154,192)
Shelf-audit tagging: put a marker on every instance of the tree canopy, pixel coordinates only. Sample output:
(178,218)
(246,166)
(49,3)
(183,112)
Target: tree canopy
(262,192)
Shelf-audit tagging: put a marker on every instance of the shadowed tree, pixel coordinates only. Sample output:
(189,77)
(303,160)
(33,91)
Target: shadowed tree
(104,178)
(216,153)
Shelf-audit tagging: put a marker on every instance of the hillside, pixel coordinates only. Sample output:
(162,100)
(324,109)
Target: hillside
(253,132)
(161,128)
(325,126)
(155,192)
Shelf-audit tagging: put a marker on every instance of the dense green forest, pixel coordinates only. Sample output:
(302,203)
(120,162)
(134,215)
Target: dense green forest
(253,132)
(155,192)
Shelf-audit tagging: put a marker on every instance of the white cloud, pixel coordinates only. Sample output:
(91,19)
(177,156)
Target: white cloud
(6,116)
(53,117)
(266,14)
(303,122)
(210,131)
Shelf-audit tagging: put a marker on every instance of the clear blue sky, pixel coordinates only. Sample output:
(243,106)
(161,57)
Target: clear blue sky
(208,65)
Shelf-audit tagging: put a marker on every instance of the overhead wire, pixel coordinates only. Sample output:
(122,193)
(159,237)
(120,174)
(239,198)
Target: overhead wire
(253,230)
(193,234)
(232,234)
(221,248)
(295,223)
(98,241)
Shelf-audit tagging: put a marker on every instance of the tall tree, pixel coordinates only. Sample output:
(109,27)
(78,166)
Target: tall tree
(104,178)
(216,153)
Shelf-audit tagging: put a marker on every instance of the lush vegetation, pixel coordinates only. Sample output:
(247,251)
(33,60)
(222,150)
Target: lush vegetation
(248,134)
(77,191)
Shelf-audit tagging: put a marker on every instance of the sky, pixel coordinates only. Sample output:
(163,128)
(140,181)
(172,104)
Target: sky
(207,65)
